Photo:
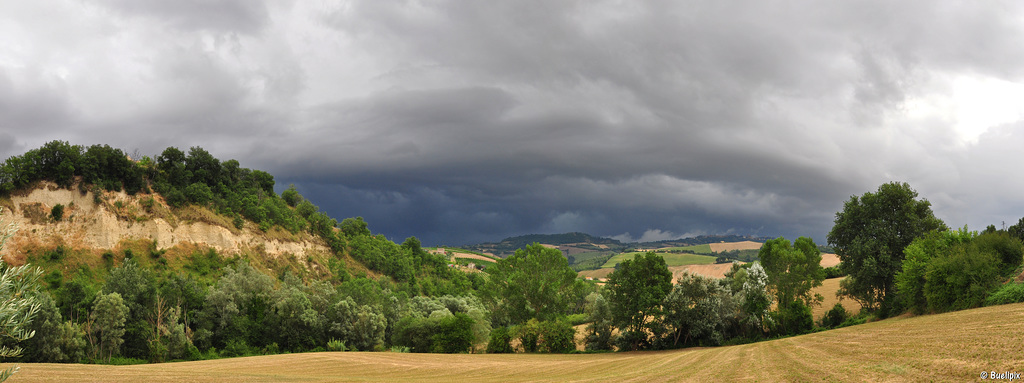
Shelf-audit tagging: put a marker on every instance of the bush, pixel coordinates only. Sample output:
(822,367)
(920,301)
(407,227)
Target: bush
(557,336)
(57,254)
(175,197)
(337,345)
(795,318)
(501,341)
(578,319)
(57,212)
(833,272)
(235,347)
(1008,293)
(961,279)
(835,317)
(400,349)
(454,334)
(528,334)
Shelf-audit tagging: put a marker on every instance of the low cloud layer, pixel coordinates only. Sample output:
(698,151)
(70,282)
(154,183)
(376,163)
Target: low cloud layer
(461,121)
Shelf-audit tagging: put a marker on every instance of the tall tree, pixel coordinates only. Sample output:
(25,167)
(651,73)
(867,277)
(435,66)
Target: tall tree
(636,291)
(107,322)
(792,270)
(869,237)
(535,282)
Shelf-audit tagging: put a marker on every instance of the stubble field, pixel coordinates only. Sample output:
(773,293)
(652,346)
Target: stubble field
(948,347)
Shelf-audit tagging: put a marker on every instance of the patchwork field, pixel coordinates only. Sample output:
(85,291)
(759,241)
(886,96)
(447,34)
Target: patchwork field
(473,256)
(948,347)
(671,259)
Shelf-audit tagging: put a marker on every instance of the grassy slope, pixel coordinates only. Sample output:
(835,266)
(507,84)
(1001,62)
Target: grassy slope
(948,347)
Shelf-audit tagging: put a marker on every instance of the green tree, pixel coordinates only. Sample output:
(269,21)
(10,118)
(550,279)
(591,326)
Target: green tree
(137,288)
(55,341)
(869,237)
(18,284)
(291,196)
(108,318)
(500,341)
(454,334)
(637,289)
(792,270)
(535,282)
(693,311)
(599,331)
(557,336)
(1017,230)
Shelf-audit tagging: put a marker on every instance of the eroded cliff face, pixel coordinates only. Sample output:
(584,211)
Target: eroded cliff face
(118,217)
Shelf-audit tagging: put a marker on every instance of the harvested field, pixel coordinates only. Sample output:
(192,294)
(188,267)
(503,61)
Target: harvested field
(728,246)
(828,290)
(601,273)
(829,260)
(947,347)
(712,271)
(473,256)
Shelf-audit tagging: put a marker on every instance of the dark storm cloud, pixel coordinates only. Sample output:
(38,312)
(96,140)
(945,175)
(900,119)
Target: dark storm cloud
(463,121)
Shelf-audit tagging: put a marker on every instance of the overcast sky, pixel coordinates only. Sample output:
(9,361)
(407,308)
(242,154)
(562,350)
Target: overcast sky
(468,121)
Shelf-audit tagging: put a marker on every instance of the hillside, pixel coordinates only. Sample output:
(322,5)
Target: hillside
(955,346)
(99,221)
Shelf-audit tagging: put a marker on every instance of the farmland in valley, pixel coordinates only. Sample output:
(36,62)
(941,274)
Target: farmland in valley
(671,259)
(954,346)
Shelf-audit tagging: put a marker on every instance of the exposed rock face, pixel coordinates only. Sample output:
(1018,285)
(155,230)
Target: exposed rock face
(89,225)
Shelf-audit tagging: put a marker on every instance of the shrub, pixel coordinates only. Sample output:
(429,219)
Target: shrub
(57,254)
(57,212)
(147,204)
(557,336)
(795,318)
(338,345)
(454,334)
(235,347)
(961,279)
(528,334)
(578,319)
(835,317)
(501,341)
(400,349)
(1008,293)
(833,272)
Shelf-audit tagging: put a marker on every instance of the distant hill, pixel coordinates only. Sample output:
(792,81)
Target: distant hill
(576,240)
(700,240)
(591,246)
